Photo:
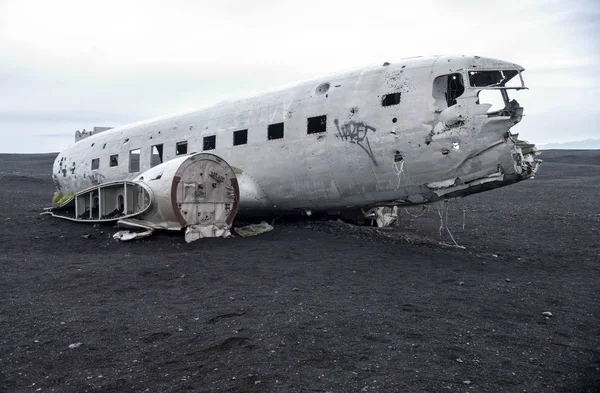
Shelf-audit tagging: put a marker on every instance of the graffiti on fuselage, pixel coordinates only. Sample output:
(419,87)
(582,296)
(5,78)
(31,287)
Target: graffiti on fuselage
(96,178)
(356,132)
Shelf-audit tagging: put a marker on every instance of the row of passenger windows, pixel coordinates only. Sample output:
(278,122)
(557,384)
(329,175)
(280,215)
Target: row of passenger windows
(314,125)
(156,157)
(274,131)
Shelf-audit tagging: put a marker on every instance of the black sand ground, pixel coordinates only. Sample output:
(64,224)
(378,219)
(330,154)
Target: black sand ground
(311,306)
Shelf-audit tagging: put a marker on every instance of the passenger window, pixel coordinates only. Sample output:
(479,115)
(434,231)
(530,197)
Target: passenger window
(95,163)
(210,142)
(181,148)
(156,156)
(316,124)
(134,160)
(275,131)
(240,137)
(114,160)
(390,99)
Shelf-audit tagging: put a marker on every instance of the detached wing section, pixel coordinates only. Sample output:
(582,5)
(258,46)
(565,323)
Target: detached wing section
(199,192)
(107,202)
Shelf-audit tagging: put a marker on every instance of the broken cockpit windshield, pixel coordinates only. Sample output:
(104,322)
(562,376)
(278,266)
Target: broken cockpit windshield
(494,85)
(495,78)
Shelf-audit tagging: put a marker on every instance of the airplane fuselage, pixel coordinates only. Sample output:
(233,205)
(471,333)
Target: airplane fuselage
(413,131)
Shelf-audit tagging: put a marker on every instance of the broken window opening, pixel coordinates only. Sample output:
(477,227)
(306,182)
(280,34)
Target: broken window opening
(181,148)
(493,98)
(446,89)
(210,142)
(390,99)
(114,160)
(501,104)
(156,155)
(95,163)
(456,88)
(316,124)
(275,131)
(134,160)
(240,137)
(497,78)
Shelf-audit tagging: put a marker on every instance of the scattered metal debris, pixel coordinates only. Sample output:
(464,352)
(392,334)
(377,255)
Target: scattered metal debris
(382,216)
(253,229)
(129,235)
(195,232)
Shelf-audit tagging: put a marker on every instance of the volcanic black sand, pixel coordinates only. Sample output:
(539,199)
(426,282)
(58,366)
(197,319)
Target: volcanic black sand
(312,306)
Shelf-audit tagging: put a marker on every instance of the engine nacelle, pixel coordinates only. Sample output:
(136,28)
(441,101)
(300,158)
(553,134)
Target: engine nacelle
(199,192)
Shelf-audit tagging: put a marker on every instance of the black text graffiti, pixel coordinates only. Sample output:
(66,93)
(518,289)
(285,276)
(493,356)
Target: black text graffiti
(356,132)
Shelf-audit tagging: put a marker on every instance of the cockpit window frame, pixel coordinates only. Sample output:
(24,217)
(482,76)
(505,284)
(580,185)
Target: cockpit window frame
(471,86)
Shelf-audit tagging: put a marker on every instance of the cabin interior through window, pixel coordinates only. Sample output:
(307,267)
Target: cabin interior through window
(210,142)
(134,160)
(275,131)
(95,163)
(156,156)
(240,137)
(455,89)
(181,148)
(114,160)
(446,89)
(316,124)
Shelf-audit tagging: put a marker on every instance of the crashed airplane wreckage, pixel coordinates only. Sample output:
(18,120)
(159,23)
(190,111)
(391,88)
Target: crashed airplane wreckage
(198,192)
(360,143)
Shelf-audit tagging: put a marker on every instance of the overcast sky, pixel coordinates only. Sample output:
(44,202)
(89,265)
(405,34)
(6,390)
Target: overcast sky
(72,64)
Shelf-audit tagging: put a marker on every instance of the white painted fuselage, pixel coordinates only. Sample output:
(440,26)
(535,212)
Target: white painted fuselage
(390,134)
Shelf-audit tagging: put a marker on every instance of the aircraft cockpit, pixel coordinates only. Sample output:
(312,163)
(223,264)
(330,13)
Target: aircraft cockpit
(493,86)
